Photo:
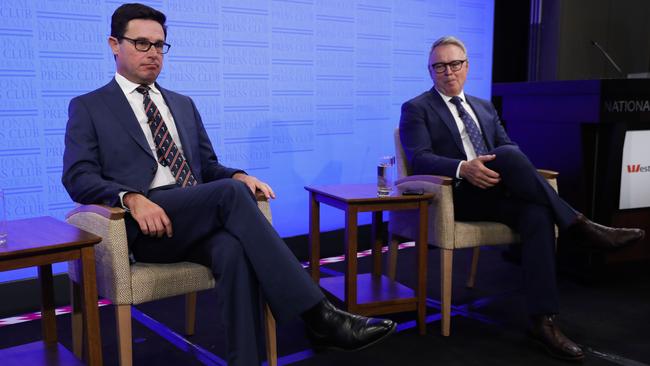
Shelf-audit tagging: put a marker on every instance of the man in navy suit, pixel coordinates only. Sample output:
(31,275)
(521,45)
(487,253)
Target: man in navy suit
(447,132)
(134,144)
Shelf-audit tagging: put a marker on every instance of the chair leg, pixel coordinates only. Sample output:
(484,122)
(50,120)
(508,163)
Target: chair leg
(190,313)
(446,261)
(472,272)
(123,319)
(77,319)
(271,341)
(392,257)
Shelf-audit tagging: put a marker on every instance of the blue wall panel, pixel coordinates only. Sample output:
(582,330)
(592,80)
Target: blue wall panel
(297,92)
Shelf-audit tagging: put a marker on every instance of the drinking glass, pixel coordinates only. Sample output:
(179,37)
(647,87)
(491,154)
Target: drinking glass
(385,175)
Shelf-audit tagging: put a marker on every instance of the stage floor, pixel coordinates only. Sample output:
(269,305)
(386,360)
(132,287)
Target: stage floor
(610,318)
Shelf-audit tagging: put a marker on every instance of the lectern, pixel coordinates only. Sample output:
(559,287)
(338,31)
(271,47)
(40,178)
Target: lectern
(580,128)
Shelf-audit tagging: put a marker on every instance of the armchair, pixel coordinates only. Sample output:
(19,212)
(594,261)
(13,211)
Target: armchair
(126,284)
(444,231)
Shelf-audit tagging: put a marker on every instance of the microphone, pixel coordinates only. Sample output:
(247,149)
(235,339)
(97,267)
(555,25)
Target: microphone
(611,61)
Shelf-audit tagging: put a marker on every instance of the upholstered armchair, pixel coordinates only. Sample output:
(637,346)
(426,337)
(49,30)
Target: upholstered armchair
(126,284)
(445,232)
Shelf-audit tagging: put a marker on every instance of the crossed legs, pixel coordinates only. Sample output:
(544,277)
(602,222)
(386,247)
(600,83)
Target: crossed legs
(219,225)
(524,201)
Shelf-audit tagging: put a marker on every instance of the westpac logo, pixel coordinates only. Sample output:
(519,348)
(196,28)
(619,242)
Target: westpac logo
(637,168)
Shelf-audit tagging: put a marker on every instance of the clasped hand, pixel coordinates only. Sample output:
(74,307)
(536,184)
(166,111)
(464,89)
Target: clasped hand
(478,174)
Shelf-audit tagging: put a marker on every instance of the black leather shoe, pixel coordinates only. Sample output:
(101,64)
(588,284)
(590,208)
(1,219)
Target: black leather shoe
(588,233)
(335,329)
(545,331)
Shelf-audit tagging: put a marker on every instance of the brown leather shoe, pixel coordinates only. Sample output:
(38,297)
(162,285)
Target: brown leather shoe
(546,332)
(588,233)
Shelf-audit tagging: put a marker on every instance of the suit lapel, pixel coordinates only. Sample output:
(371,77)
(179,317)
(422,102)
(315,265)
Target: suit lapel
(176,108)
(119,106)
(439,105)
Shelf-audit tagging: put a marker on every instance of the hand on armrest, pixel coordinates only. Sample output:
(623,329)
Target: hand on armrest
(255,185)
(117,213)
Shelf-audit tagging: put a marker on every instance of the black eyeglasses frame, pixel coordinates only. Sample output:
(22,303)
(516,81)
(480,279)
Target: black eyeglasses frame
(160,46)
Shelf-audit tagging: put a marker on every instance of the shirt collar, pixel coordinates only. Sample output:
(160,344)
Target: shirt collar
(447,98)
(128,87)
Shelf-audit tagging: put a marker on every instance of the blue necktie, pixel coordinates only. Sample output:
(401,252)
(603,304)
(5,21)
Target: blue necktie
(472,129)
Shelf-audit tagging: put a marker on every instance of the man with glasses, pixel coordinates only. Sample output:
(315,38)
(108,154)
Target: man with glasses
(134,144)
(447,132)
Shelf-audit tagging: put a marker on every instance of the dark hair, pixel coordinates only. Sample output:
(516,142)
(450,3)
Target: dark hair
(128,12)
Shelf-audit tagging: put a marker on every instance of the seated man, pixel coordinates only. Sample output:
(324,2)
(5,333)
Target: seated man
(446,132)
(133,144)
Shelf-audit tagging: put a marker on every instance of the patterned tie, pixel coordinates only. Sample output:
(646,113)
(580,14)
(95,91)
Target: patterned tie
(166,149)
(472,129)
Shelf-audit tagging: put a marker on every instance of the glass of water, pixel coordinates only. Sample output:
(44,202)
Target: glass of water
(385,175)
(3,218)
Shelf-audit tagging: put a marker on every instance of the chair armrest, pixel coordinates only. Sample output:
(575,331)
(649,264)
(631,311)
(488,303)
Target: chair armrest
(441,226)
(263,205)
(445,181)
(111,213)
(548,174)
(117,213)
(111,254)
(435,179)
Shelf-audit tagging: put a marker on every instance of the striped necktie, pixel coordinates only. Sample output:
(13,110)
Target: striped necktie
(168,153)
(473,132)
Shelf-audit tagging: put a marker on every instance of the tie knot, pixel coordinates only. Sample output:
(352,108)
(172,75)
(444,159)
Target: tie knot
(455,100)
(143,89)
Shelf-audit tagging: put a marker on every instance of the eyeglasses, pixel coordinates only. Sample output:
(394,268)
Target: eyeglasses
(441,67)
(144,45)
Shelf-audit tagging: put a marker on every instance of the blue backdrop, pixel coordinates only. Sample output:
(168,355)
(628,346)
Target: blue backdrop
(296,92)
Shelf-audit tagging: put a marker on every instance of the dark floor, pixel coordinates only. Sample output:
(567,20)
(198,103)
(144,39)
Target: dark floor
(610,318)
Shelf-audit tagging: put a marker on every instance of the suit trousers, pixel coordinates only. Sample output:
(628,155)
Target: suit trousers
(524,201)
(218,224)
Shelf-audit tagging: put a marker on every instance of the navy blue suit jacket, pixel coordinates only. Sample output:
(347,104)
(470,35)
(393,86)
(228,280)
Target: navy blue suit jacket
(106,151)
(431,139)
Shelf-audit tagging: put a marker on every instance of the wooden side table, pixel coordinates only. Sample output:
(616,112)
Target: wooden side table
(40,242)
(369,294)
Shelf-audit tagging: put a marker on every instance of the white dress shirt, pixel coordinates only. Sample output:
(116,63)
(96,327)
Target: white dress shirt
(464,136)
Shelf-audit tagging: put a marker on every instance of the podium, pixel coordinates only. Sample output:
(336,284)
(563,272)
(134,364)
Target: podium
(578,128)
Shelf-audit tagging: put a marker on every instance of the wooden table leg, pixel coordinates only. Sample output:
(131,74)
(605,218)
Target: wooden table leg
(76,317)
(377,241)
(90,311)
(314,237)
(351,258)
(422,265)
(48,316)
